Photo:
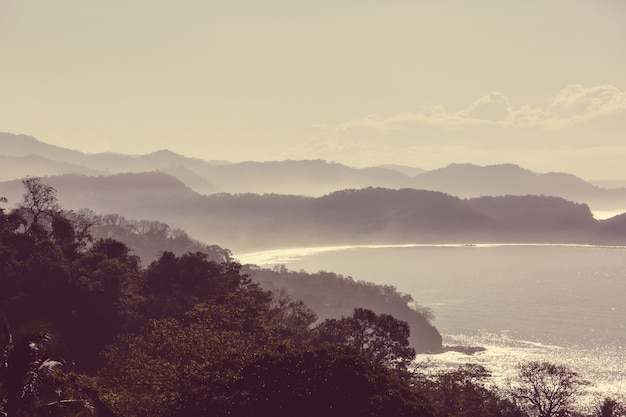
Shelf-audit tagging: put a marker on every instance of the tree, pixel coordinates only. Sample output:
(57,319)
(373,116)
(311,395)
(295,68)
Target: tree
(189,366)
(610,407)
(42,218)
(174,284)
(378,337)
(29,376)
(231,359)
(463,393)
(295,316)
(100,300)
(330,381)
(545,389)
(39,206)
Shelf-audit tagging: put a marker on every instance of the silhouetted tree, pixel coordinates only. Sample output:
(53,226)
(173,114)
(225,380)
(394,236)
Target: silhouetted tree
(610,407)
(378,337)
(545,389)
(463,393)
(39,207)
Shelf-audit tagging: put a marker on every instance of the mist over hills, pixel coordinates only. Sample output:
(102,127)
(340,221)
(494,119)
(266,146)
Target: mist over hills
(262,205)
(245,222)
(22,155)
(13,167)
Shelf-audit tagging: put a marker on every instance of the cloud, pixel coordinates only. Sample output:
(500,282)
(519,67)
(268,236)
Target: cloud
(580,130)
(494,107)
(575,104)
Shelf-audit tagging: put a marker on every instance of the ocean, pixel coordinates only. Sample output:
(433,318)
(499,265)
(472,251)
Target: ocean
(561,303)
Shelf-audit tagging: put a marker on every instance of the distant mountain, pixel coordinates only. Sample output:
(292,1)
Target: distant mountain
(23,145)
(308,177)
(304,177)
(12,167)
(406,170)
(105,163)
(284,177)
(468,180)
(190,178)
(366,216)
(128,194)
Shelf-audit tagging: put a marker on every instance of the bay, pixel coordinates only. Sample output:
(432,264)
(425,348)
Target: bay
(563,303)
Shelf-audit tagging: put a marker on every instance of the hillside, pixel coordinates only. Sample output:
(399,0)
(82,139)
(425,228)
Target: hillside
(331,295)
(370,215)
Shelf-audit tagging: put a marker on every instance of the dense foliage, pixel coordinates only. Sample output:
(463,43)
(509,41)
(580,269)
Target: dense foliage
(86,330)
(332,295)
(149,237)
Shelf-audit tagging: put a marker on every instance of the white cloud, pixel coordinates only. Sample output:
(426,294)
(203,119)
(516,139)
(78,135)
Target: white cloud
(573,105)
(580,131)
(577,104)
(494,107)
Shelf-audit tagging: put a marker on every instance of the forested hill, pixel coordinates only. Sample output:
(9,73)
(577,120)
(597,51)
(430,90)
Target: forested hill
(371,215)
(245,222)
(328,294)
(332,295)
(85,330)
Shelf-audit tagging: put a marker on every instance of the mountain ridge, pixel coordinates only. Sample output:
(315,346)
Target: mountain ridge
(312,177)
(372,215)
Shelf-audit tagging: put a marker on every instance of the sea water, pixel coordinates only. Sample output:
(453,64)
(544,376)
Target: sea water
(561,303)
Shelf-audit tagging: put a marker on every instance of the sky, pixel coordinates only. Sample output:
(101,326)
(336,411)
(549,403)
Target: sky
(541,84)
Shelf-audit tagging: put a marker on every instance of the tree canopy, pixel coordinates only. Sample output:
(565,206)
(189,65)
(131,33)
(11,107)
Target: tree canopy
(378,337)
(97,333)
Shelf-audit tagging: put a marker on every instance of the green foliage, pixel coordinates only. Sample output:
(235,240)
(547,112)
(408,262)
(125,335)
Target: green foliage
(148,238)
(235,368)
(41,217)
(296,317)
(332,295)
(102,296)
(31,382)
(173,285)
(175,366)
(325,381)
(378,337)
(192,335)
(463,393)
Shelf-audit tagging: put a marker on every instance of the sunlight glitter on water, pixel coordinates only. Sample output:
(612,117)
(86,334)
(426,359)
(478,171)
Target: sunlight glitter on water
(602,365)
(564,307)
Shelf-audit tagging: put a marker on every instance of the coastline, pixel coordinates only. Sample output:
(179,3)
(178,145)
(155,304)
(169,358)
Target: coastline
(285,256)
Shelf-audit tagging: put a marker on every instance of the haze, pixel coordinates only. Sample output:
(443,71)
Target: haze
(539,84)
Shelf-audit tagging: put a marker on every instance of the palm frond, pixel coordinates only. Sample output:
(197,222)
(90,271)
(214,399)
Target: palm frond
(66,408)
(37,379)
